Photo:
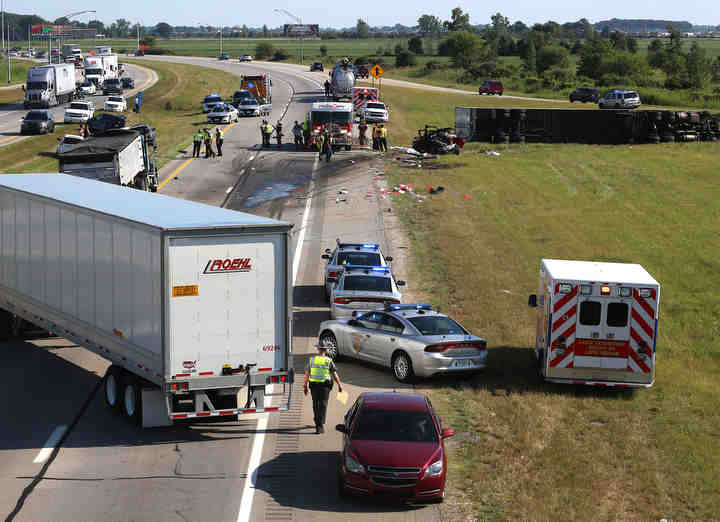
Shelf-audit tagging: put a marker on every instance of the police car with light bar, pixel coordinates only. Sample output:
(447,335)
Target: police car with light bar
(411,339)
(362,254)
(362,288)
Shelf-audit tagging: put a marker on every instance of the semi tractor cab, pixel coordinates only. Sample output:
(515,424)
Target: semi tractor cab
(335,117)
(597,323)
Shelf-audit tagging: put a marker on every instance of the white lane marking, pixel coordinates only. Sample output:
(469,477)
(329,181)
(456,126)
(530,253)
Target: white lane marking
(52,441)
(229,190)
(251,158)
(259,440)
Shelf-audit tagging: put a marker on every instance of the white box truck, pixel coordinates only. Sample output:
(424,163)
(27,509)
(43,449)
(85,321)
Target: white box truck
(597,323)
(49,85)
(191,303)
(94,71)
(119,156)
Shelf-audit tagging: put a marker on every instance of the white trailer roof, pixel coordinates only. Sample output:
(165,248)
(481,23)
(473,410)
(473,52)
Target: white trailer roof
(599,272)
(154,210)
(332,106)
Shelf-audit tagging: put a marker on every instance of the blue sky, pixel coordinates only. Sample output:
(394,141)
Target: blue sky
(375,12)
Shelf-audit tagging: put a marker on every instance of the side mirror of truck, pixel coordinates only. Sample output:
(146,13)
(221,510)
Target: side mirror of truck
(400,283)
(388,259)
(325,256)
(532,301)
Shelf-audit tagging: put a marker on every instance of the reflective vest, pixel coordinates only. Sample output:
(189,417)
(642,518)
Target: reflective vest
(198,137)
(383,132)
(320,368)
(268,129)
(305,125)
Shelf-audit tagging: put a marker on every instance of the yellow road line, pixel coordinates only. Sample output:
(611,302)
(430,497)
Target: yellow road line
(187,162)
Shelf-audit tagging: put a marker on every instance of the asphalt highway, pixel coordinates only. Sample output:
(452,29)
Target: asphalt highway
(10,116)
(65,457)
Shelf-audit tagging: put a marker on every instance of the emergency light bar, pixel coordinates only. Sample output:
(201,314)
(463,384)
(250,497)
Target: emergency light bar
(400,307)
(383,269)
(374,246)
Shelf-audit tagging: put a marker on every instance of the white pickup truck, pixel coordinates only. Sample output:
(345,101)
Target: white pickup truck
(79,112)
(374,111)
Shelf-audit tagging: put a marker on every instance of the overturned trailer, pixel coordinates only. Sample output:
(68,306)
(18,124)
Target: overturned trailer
(583,126)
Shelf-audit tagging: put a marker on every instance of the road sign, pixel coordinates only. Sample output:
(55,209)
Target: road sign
(138,99)
(376,71)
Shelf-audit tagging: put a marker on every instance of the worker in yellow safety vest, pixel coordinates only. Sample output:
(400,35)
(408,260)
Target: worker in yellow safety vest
(383,139)
(319,373)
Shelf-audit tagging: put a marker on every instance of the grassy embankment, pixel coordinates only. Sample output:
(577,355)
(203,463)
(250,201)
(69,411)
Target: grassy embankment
(528,450)
(18,71)
(172,106)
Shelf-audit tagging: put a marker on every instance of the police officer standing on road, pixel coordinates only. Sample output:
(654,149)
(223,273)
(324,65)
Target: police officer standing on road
(362,129)
(320,372)
(327,88)
(219,140)
(197,143)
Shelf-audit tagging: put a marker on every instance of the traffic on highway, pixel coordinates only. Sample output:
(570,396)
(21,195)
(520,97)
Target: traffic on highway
(178,340)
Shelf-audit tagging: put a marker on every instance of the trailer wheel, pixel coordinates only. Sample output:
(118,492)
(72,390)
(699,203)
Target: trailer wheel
(112,387)
(130,399)
(6,323)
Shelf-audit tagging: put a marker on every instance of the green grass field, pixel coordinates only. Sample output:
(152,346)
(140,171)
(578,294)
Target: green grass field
(172,106)
(18,71)
(528,450)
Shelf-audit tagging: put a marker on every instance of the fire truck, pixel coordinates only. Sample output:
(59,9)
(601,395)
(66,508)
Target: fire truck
(597,323)
(362,95)
(335,117)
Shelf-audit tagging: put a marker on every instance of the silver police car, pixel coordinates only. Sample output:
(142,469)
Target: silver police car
(412,340)
(361,254)
(362,288)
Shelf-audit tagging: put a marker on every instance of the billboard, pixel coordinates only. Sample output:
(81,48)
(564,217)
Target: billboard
(45,30)
(296,30)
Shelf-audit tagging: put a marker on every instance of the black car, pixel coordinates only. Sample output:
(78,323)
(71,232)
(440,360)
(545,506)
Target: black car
(37,122)
(112,86)
(240,95)
(585,94)
(317,66)
(147,131)
(127,82)
(104,122)
(223,56)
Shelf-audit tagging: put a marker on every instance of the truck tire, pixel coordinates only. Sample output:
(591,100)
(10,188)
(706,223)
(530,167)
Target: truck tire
(111,387)
(6,320)
(141,183)
(130,399)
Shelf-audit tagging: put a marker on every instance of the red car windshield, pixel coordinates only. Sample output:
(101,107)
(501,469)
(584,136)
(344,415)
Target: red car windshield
(395,426)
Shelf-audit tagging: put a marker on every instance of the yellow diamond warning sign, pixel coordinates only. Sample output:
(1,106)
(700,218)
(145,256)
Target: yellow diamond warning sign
(376,71)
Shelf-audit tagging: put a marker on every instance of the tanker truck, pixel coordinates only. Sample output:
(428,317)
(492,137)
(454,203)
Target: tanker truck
(342,80)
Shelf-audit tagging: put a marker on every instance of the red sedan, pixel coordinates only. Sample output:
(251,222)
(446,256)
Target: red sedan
(393,447)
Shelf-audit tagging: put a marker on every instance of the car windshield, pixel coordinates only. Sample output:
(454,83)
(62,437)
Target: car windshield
(79,106)
(248,101)
(36,116)
(375,106)
(36,86)
(319,117)
(631,95)
(367,284)
(359,258)
(437,325)
(86,83)
(113,82)
(115,99)
(394,426)
(212,99)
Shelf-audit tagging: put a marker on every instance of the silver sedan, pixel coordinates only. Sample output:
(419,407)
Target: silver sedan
(412,340)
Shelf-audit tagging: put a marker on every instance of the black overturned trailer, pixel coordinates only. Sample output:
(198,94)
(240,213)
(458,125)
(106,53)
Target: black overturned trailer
(584,126)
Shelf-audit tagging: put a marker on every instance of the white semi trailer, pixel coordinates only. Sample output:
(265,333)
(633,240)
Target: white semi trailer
(49,85)
(190,303)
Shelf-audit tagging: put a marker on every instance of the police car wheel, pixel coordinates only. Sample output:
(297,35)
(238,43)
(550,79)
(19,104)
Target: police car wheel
(402,368)
(328,341)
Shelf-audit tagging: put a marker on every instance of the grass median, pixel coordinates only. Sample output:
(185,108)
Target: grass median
(171,106)
(528,450)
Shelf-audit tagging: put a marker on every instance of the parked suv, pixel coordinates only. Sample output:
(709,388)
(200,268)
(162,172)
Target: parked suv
(112,86)
(585,94)
(618,99)
(491,87)
(317,66)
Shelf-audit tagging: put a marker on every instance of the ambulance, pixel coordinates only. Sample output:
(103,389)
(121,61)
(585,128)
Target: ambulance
(597,323)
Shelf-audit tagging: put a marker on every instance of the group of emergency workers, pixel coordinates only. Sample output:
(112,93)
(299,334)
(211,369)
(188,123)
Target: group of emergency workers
(266,131)
(379,136)
(205,137)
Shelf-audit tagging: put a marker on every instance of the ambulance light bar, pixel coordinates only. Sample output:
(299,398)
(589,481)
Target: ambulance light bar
(645,292)
(565,288)
(585,289)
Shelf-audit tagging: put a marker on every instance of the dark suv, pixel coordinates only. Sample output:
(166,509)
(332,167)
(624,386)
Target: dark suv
(363,71)
(585,94)
(491,87)
(112,86)
(317,66)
